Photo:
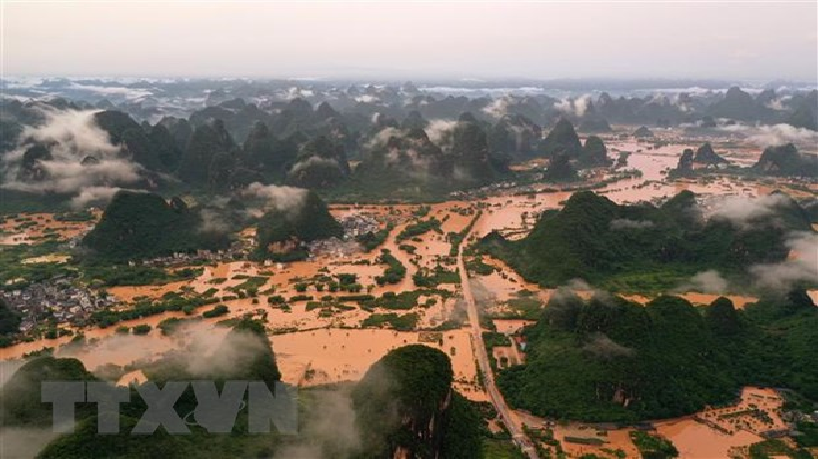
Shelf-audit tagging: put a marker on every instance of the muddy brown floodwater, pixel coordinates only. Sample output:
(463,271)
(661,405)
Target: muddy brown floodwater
(313,349)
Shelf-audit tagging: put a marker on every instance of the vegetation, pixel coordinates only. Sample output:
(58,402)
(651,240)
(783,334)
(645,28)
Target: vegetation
(426,278)
(370,240)
(310,221)
(20,400)
(394,272)
(400,323)
(413,381)
(125,275)
(776,448)
(653,446)
(419,228)
(643,248)
(139,225)
(142,329)
(145,308)
(215,312)
(9,319)
(666,359)
(786,161)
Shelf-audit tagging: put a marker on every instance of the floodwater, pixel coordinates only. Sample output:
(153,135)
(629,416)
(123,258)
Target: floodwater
(313,350)
(333,355)
(15,231)
(692,437)
(696,440)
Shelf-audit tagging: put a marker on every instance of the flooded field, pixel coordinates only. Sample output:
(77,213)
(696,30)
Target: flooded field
(31,228)
(711,433)
(319,339)
(333,355)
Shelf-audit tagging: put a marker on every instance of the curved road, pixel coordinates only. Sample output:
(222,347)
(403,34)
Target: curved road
(483,360)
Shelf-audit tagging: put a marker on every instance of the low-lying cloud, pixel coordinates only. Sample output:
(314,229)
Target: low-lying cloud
(708,281)
(620,224)
(742,211)
(577,107)
(602,347)
(801,264)
(278,197)
(71,137)
(438,130)
(774,135)
(99,196)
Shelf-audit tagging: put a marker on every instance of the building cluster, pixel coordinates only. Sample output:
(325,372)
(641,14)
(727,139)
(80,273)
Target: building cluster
(356,225)
(497,186)
(332,247)
(56,298)
(237,251)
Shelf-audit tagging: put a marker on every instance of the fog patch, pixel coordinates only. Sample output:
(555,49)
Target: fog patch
(382,137)
(438,130)
(741,211)
(282,198)
(71,137)
(17,442)
(773,135)
(329,429)
(800,266)
(777,104)
(602,347)
(314,161)
(620,224)
(708,281)
(214,221)
(497,108)
(7,369)
(99,196)
(577,107)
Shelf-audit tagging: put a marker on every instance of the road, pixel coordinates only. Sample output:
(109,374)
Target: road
(483,361)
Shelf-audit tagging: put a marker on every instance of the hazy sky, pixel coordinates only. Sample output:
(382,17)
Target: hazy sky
(411,40)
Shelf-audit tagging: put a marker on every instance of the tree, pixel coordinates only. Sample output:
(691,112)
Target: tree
(9,319)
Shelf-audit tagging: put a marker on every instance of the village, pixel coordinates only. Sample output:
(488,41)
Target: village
(322,336)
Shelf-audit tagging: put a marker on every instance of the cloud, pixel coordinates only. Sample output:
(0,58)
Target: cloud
(777,104)
(497,108)
(96,195)
(801,264)
(367,98)
(709,281)
(619,224)
(576,106)
(19,442)
(278,197)
(578,284)
(313,161)
(601,346)
(438,129)
(214,221)
(741,211)
(71,136)
(329,428)
(202,349)
(130,93)
(772,135)
(381,137)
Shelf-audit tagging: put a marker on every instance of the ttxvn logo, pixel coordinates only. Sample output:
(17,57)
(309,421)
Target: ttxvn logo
(215,411)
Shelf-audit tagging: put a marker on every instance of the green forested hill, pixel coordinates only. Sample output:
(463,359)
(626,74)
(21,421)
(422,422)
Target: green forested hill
(139,225)
(608,359)
(310,221)
(642,247)
(404,401)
